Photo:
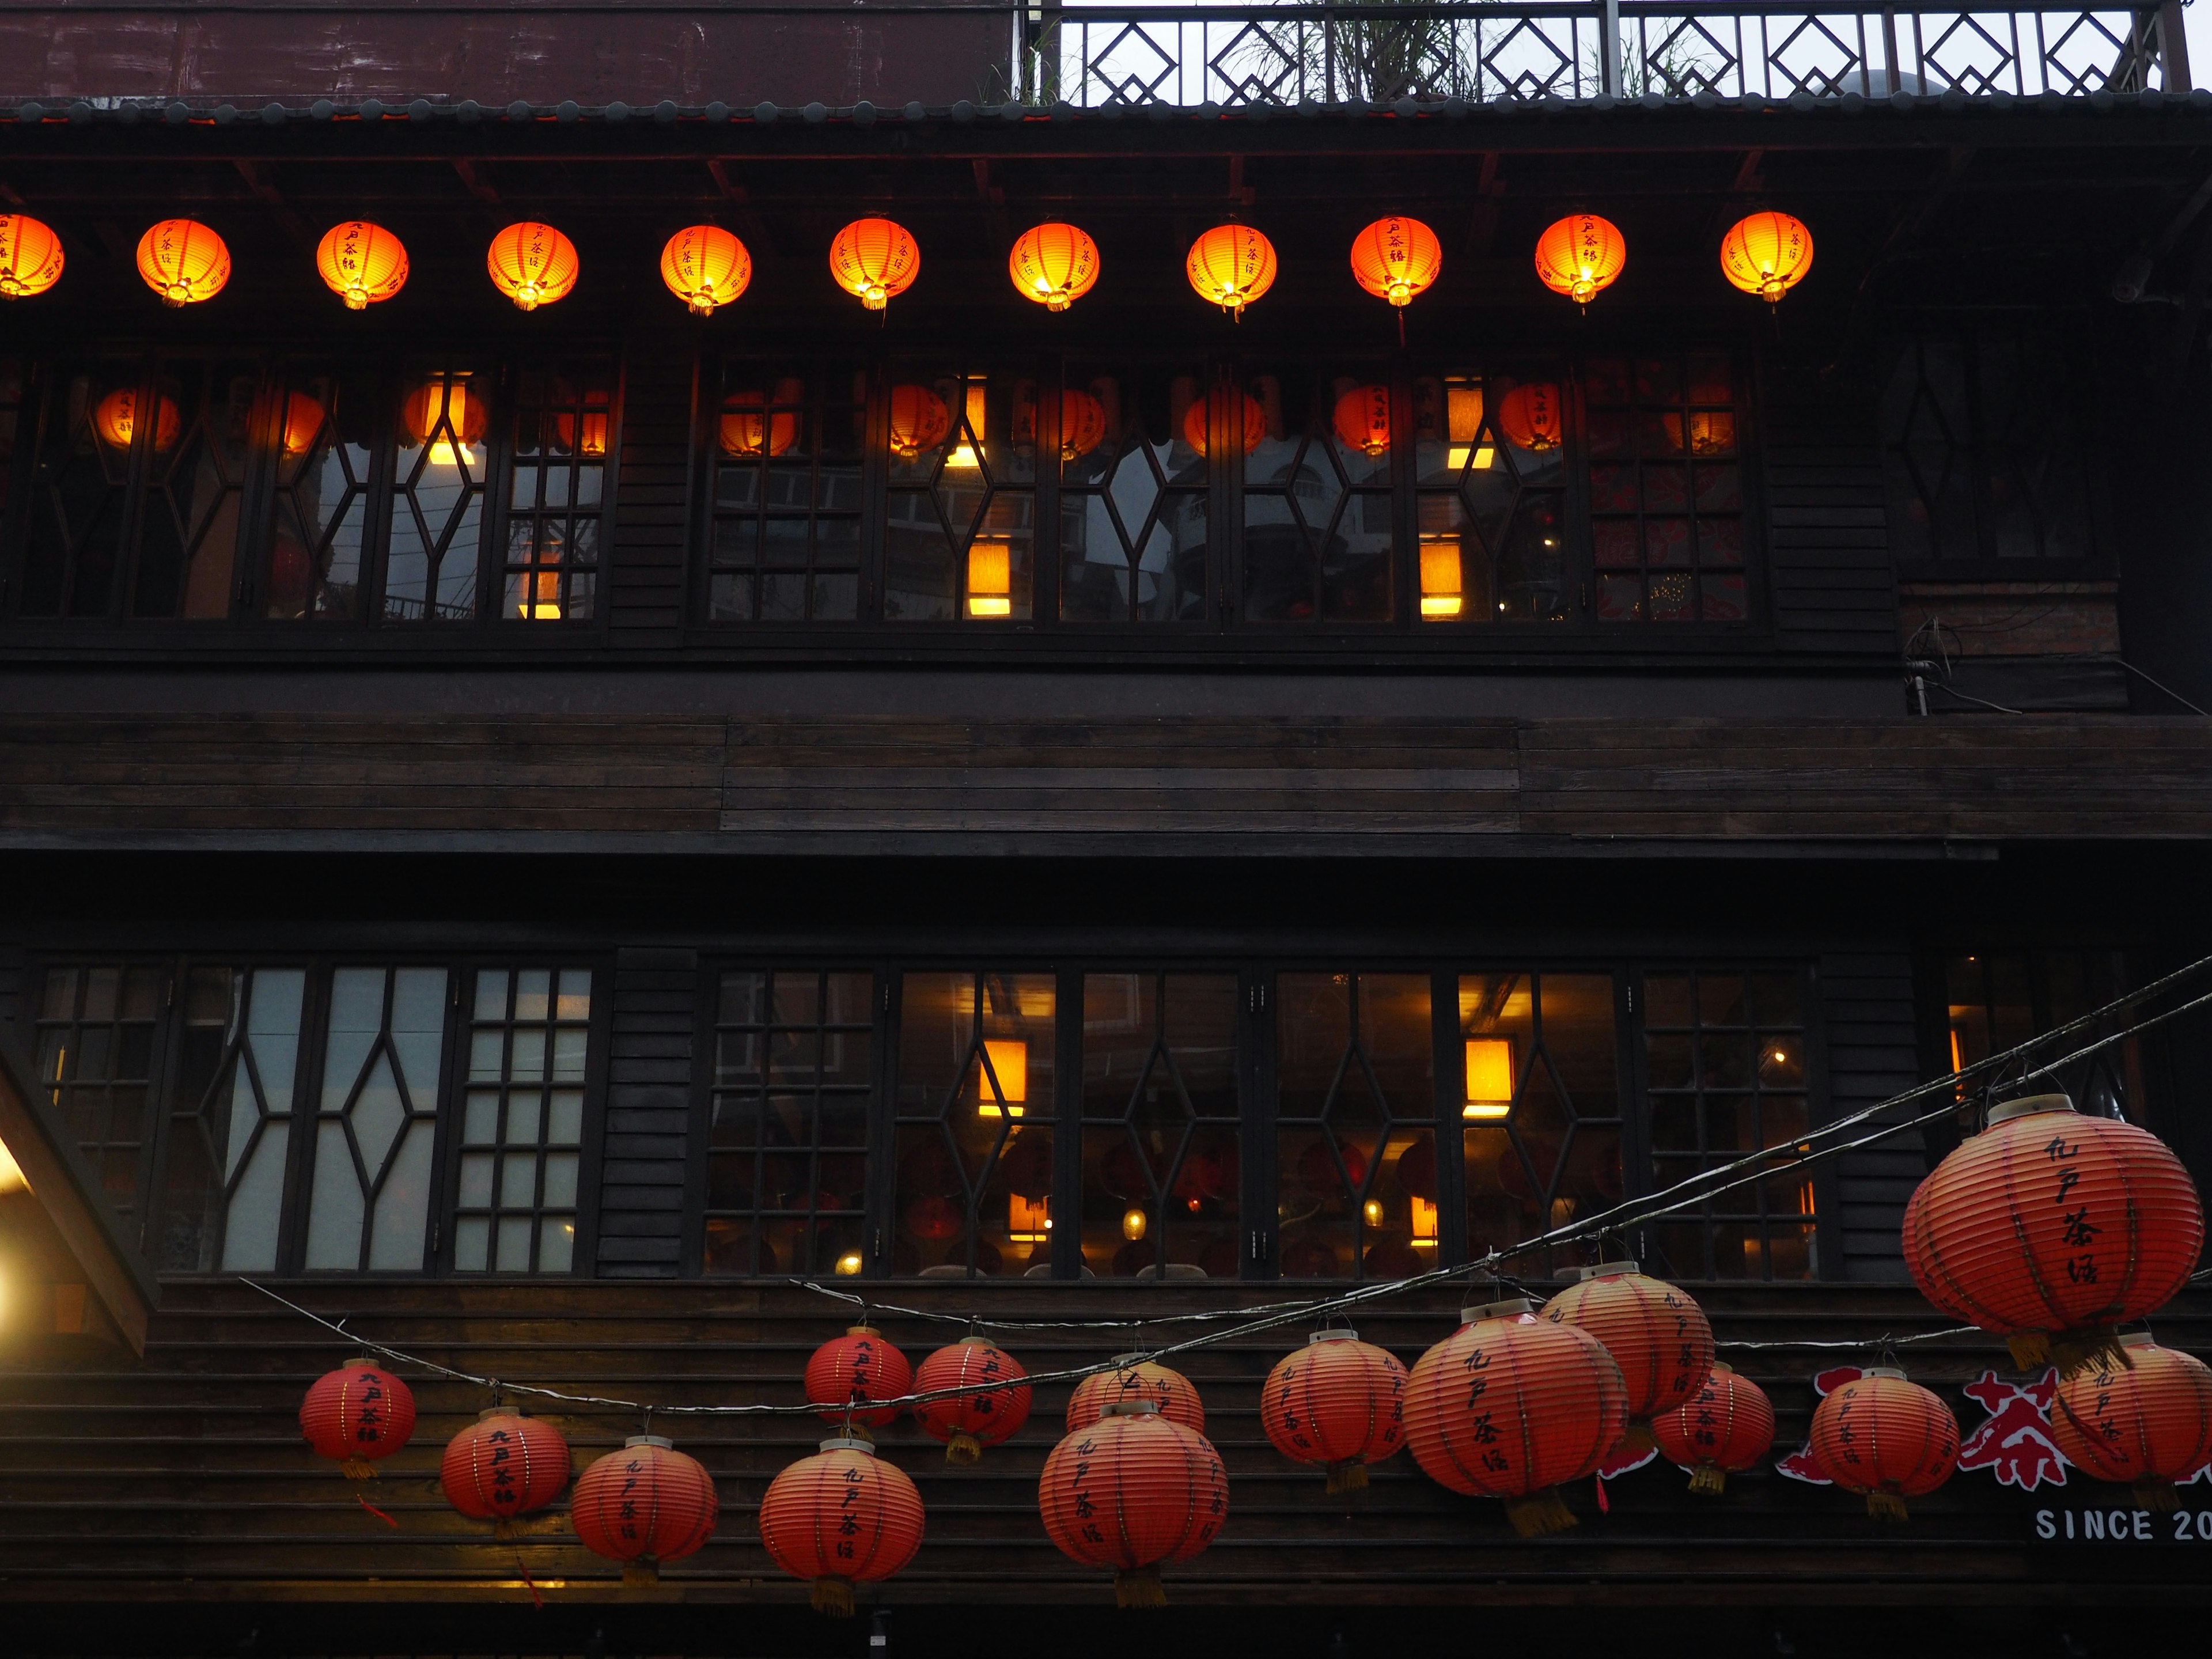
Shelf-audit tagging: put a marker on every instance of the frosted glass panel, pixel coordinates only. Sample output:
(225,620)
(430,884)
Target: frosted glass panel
(369,1203)
(334,1227)
(249,1242)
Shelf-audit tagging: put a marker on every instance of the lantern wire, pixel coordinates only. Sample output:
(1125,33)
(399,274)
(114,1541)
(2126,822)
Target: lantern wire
(1687,1193)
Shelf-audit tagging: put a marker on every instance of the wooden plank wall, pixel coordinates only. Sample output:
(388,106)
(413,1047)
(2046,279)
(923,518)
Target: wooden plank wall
(1834,587)
(184,1480)
(648,1113)
(1866,1010)
(650,545)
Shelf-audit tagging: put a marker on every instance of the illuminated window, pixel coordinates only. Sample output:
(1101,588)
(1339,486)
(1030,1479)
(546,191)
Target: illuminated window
(522,1120)
(960,521)
(1319,460)
(1490,454)
(563,437)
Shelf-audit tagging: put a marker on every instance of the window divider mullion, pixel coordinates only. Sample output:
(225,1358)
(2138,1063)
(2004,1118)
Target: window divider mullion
(307,1108)
(1044,501)
(1068,1128)
(1450,1088)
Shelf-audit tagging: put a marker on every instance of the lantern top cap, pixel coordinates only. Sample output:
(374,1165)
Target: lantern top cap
(660,1440)
(841,1442)
(1129,1360)
(368,1359)
(1506,1309)
(850,1330)
(1607,1270)
(1333,1336)
(975,1342)
(2137,1340)
(1895,1373)
(491,1411)
(1133,1408)
(2031,1106)
(1723,1368)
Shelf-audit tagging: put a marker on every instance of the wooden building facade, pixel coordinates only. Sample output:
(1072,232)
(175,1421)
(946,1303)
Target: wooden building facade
(533,833)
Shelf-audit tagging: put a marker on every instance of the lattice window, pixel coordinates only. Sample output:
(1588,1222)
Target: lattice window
(960,519)
(376,1120)
(437,496)
(1318,468)
(1666,489)
(1132,477)
(325,448)
(563,427)
(1160,1121)
(1490,514)
(974,1106)
(522,1120)
(1997,999)
(784,543)
(1356,1155)
(191,512)
(787,1122)
(1725,1075)
(97,1026)
(231,1118)
(88,432)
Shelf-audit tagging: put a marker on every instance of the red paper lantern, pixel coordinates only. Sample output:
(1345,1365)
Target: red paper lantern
(642,1505)
(1136,1378)
(1130,1492)
(504,1465)
(2143,1416)
(1510,1406)
(993,1401)
(839,1518)
(858,1369)
(1656,1334)
(356,1414)
(2049,1229)
(1339,1402)
(1722,1429)
(1885,1437)
(1317,1171)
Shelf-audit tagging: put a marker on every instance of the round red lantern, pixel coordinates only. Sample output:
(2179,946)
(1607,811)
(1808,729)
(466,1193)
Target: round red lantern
(356,1414)
(1510,1406)
(875,261)
(993,1400)
(1362,420)
(2143,1416)
(1134,1378)
(642,1505)
(839,1518)
(1130,1492)
(1656,1334)
(1722,1429)
(857,1370)
(1339,1402)
(1396,258)
(1579,255)
(2049,1229)
(1529,416)
(504,1465)
(1885,1437)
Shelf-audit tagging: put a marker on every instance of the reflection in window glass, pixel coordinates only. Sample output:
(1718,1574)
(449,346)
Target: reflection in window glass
(787,1136)
(522,1120)
(784,543)
(960,526)
(976,1070)
(1160,1107)
(563,428)
(1318,472)
(96,1064)
(90,431)
(1998,999)
(376,1114)
(1724,1070)
(1666,489)
(1539,1092)
(1355,1115)
(189,512)
(1132,497)
(323,449)
(1491,511)
(230,1126)
(437,497)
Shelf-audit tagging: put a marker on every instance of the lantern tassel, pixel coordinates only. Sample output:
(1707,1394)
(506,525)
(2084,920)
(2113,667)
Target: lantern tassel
(833,1597)
(643,1573)
(2157,1495)
(354,1469)
(1885,1506)
(2075,1351)
(389,1522)
(503,1530)
(1139,1587)
(1709,1479)
(2031,1351)
(529,1584)
(1638,1437)
(964,1448)
(1348,1475)
(1539,1513)
(1604,1503)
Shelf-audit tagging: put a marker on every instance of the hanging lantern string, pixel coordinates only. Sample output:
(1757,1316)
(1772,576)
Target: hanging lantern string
(1694,1191)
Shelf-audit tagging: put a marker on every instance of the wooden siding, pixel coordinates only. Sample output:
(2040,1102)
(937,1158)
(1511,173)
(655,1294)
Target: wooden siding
(650,540)
(1866,1010)
(1157,785)
(648,1115)
(184,1480)
(1829,574)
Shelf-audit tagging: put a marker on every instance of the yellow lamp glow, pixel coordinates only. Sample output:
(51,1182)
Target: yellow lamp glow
(542,597)
(1010,1062)
(11,1173)
(1441,594)
(990,577)
(849,1265)
(1028,1219)
(1463,425)
(1373,1211)
(1133,1222)
(1489,1077)
(1425,1224)
(963,454)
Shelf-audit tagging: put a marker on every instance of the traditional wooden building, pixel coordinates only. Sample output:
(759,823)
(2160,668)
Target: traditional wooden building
(548,836)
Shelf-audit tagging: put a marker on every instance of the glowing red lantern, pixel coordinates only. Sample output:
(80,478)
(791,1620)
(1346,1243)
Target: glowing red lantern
(993,1400)
(1230,266)
(839,1518)
(30,256)
(920,421)
(642,1505)
(1254,418)
(1134,1378)
(1553,1406)
(875,261)
(1082,424)
(1362,420)
(1053,265)
(357,1413)
(1339,1402)
(1130,1492)
(1656,1334)
(2143,1416)
(1722,1429)
(1885,1437)
(1529,416)
(1317,1171)
(1396,258)
(857,1370)
(504,1465)
(2049,1229)
(1579,255)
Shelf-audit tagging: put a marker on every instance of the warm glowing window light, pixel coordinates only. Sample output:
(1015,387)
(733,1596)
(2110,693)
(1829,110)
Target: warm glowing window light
(990,577)
(11,1173)
(1028,1220)
(1010,1063)
(1441,593)
(544,605)
(1489,1077)
(1134,1224)
(1463,421)
(849,1265)
(1425,1224)
(1372,1210)
(964,456)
